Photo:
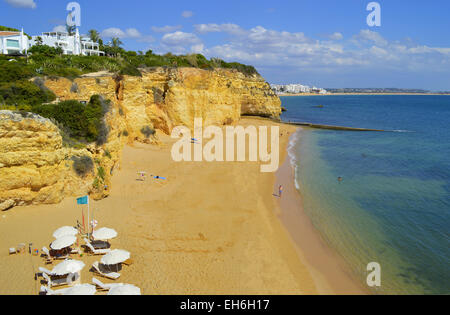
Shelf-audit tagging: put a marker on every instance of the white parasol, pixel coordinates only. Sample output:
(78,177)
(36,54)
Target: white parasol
(115,257)
(80,289)
(126,289)
(104,234)
(63,242)
(68,266)
(65,231)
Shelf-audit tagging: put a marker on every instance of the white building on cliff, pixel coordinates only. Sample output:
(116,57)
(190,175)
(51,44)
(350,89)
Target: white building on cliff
(13,43)
(70,44)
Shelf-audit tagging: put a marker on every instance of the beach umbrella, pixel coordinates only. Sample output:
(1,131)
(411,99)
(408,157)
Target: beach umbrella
(115,257)
(104,234)
(126,289)
(68,266)
(65,231)
(63,242)
(80,289)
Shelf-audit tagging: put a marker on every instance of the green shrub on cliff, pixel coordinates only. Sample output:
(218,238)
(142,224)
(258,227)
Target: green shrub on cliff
(81,122)
(24,94)
(82,165)
(147,131)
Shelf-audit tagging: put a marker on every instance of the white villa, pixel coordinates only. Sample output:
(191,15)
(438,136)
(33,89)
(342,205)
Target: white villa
(70,44)
(17,43)
(13,43)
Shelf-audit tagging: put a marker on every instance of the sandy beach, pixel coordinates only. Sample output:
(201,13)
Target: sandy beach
(209,228)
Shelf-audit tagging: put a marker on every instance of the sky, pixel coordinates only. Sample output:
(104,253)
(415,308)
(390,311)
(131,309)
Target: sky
(327,43)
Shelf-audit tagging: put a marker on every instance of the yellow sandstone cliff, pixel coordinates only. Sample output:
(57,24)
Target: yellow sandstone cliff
(36,168)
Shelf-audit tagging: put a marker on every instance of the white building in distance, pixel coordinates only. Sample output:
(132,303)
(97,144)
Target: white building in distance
(70,44)
(296,89)
(13,43)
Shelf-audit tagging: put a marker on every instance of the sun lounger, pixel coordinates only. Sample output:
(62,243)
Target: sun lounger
(48,257)
(96,251)
(128,262)
(55,282)
(21,248)
(49,291)
(46,271)
(108,275)
(104,286)
(75,251)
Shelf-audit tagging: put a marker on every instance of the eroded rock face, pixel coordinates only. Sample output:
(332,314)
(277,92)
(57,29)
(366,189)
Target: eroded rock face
(165,98)
(35,166)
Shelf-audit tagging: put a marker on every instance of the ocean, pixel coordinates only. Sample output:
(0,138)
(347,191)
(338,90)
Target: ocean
(393,203)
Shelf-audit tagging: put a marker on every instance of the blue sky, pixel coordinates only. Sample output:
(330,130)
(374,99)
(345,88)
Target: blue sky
(316,42)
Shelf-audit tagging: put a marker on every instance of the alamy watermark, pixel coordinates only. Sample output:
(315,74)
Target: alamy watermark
(374,277)
(74,16)
(374,18)
(220,150)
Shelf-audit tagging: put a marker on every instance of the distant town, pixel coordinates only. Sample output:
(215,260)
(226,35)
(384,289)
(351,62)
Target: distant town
(294,89)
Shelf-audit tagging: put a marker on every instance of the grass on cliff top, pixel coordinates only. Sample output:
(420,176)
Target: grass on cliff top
(48,61)
(17,92)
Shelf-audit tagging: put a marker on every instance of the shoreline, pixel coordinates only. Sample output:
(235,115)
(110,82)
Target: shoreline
(372,94)
(186,235)
(330,272)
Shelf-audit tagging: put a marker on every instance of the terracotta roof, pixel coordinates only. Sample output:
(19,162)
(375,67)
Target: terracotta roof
(8,33)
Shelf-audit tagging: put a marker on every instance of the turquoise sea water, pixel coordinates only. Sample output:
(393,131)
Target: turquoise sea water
(393,205)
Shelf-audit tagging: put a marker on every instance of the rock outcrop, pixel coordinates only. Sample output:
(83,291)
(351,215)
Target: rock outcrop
(165,98)
(35,166)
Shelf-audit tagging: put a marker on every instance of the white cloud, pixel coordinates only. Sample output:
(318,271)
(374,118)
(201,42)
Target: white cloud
(370,36)
(227,28)
(366,51)
(29,4)
(187,14)
(113,32)
(128,33)
(60,28)
(336,36)
(197,49)
(166,29)
(133,33)
(180,38)
(178,42)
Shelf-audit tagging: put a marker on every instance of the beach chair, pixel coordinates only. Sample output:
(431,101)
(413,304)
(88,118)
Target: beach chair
(107,275)
(74,251)
(54,283)
(48,291)
(46,271)
(47,256)
(128,262)
(70,280)
(21,249)
(104,286)
(96,251)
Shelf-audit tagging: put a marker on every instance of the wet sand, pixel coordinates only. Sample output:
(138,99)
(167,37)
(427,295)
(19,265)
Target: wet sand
(330,273)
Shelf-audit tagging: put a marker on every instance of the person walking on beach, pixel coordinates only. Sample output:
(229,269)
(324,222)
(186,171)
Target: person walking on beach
(280,191)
